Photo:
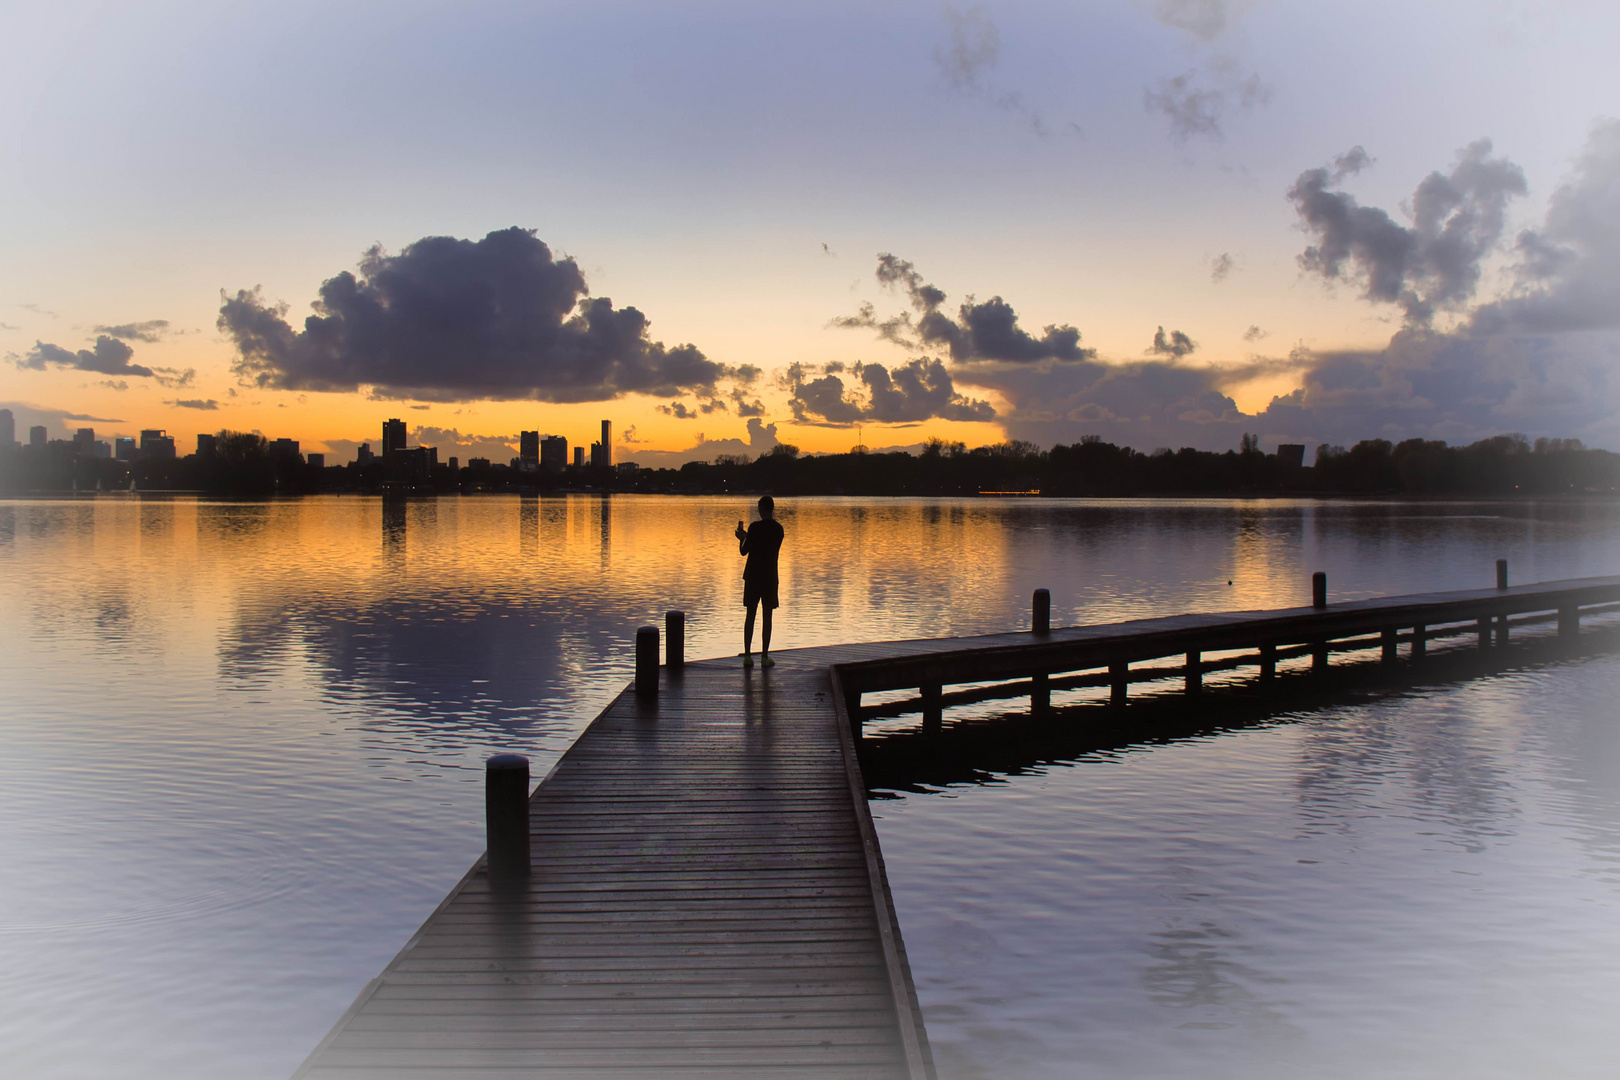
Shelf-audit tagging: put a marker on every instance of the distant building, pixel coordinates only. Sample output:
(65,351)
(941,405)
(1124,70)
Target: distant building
(364,456)
(553,453)
(478,464)
(205,446)
(393,436)
(627,466)
(84,442)
(579,453)
(454,465)
(287,448)
(101,450)
(1291,455)
(599,458)
(37,436)
(316,461)
(157,445)
(124,448)
(8,429)
(607,444)
(529,450)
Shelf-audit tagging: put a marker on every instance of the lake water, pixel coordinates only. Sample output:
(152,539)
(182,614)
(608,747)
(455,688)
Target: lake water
(241,754)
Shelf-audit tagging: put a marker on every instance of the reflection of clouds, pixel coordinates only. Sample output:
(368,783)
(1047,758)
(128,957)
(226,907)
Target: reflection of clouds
(1200,969)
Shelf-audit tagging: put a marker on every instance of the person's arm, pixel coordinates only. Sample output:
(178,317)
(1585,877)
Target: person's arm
(742,540)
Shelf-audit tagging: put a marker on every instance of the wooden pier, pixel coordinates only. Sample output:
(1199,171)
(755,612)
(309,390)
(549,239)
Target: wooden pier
(705,895)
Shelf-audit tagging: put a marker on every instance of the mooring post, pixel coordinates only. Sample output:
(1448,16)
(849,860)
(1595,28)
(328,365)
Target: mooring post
(647,661)
(1502,619)
(506,817)
(675,641)
(1195,671)
(933,709)
(1119,682)
(1420,641)
(1268,662)
(1319,590)
(1387,638)
(1041,612)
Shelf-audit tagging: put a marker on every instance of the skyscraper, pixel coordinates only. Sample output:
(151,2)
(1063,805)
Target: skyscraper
(157,444)
(8,428)
(528,450)
(205,446)
(554,453)
(393,436)
(36,436)
(84,442)
(579,457)
(607,444)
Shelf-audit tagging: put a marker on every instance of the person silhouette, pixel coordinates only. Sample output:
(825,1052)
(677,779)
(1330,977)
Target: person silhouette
(761,542)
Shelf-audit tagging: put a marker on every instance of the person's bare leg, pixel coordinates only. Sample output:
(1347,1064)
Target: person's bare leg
(765,640)
(748,633)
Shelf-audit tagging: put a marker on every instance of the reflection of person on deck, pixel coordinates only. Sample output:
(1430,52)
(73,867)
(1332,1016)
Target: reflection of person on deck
(761,542)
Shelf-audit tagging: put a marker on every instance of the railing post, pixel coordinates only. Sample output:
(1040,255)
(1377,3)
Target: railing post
(1501,573)
(1569,621)
(647,661)
(1387,639)
(1195,671)
(1319,589)
(675,641)
(1041,612)
(933,709)
(506,817)
(1268,662)
(1420,641)
(1119,682)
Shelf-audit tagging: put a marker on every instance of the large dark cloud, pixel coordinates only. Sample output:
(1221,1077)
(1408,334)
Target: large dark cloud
(987,331)
(452,320)
(1434,263)
(109,357)
(906,394)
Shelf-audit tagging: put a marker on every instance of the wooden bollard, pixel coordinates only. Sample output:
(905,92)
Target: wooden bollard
(1319,590)
(506,817)
(647,661)
(675,641)
(1041,612)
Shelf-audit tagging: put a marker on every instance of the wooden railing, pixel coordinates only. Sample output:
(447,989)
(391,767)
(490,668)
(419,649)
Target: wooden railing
(1044,660)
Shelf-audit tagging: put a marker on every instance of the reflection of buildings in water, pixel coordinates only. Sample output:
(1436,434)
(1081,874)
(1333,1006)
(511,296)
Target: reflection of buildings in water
(529,525)
(605,526)
(395,513)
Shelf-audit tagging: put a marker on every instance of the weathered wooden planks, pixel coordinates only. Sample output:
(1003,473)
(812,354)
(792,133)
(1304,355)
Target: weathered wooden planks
(706,899)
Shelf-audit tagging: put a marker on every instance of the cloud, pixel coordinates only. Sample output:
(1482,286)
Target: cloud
(971,53)
(1254,333)
(678,410)
(37,310)
(206,405)
(1205,20)
(1196,110)
(1221,266)
(8,326)
(115,384)
(987,331)
(906,394)
(628,436)
(761,439)
(457,320)
(174,378)
(1432,265)
(150,331)
(93,419)
(1569,269)
(746,408)
(109,357)
(1175,346)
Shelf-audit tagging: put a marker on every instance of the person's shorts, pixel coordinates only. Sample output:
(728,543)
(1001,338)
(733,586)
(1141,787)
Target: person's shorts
(755,592)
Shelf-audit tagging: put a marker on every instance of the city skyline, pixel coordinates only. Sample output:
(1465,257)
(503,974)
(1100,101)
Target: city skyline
(1163,223)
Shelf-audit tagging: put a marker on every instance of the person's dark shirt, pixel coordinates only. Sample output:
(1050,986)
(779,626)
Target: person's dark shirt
(763,544)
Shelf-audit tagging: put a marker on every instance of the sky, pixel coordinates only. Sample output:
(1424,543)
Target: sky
(726,226)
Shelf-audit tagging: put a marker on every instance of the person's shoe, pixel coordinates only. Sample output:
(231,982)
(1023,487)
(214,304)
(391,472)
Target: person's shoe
(765,660)
(748,659)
